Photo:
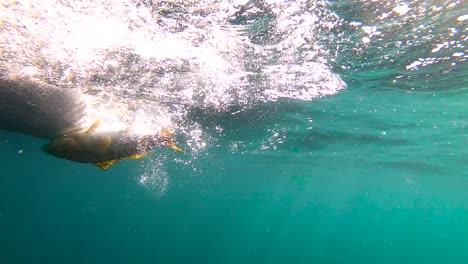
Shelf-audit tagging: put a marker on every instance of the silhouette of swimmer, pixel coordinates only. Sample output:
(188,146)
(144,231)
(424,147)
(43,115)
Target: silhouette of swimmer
(32,107)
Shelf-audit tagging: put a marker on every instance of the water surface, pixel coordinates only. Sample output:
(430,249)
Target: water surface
(313,132)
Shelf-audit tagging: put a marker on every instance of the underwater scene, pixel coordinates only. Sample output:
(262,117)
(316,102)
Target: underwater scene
(234,131)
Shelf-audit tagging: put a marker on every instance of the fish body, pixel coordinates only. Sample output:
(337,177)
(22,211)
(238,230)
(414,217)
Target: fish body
(106,148)
(32,107)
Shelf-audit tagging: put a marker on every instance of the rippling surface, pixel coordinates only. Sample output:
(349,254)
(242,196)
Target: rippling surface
(328,132)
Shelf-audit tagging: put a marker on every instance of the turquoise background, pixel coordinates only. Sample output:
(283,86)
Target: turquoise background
(377,173)
(342,191)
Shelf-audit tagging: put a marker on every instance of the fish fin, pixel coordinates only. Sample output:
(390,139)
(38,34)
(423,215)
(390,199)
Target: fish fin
(173,146)
(138,155)
(72,131)
(167,133)
(105,164)
(94,125)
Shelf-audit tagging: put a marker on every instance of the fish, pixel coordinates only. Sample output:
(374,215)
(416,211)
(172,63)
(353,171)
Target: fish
(31,106)
(104,149)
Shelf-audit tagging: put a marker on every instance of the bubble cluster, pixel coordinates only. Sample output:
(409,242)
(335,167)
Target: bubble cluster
(149,64)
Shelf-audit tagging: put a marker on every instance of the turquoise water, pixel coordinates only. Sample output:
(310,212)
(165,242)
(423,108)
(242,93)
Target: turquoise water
(376,173)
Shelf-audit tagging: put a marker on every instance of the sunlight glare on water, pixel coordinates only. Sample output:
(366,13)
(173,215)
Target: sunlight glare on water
(312,132)
(150,69)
